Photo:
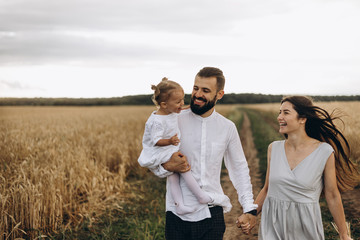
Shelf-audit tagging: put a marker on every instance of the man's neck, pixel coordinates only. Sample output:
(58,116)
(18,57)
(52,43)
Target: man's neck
(208,113)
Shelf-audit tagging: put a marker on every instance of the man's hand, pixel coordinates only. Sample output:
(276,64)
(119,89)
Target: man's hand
(177,163)
(246,222)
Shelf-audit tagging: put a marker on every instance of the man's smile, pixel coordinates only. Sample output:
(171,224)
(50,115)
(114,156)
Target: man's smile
(199,101)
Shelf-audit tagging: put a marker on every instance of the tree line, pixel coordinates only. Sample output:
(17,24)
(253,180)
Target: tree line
(145,99)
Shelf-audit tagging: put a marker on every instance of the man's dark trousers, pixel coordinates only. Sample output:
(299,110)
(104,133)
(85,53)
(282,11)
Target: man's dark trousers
(208,229)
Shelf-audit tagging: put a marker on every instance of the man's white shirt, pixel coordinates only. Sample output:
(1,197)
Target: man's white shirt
(206,142)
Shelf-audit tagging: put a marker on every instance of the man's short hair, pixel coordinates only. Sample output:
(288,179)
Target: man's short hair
(213,72)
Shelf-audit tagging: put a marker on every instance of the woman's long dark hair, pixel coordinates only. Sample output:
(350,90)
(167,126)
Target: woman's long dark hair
(320,125)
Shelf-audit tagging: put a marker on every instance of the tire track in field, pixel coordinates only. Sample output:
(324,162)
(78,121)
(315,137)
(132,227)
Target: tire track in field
(232,232)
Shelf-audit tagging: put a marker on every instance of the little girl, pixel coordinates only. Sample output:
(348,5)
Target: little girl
(162,138)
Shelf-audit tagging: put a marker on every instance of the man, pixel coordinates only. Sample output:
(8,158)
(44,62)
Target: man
(206,139)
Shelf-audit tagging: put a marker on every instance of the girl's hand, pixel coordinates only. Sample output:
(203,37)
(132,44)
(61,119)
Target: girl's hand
(175,140)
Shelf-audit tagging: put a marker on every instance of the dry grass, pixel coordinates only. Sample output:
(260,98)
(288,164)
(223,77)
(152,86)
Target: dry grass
(61,164)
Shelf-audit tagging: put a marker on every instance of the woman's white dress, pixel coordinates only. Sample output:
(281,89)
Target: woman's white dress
(291,209)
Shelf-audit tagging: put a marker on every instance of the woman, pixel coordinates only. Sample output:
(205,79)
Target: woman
(314,157)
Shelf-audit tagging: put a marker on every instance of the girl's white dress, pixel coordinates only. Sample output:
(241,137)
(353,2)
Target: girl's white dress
(158,127)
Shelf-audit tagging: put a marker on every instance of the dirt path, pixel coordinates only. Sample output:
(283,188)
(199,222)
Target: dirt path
(351,201)
(232,232)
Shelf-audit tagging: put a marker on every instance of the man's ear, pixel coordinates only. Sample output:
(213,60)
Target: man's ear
(220,94)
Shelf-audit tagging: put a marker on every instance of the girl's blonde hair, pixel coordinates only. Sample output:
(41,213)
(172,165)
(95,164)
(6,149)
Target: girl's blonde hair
(163,90)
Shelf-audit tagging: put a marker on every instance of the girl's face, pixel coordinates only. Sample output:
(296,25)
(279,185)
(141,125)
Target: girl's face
(175,101)
(288,119)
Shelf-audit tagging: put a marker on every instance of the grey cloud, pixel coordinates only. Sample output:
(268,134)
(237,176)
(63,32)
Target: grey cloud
(186,16)
(18,86)
(48,47)
(32,32)
(13,84)
(9,87)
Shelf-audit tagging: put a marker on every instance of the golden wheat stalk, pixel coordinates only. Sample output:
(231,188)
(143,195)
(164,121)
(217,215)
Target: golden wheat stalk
(347,226)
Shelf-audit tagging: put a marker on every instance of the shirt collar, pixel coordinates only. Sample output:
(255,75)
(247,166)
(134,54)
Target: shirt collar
(204,119)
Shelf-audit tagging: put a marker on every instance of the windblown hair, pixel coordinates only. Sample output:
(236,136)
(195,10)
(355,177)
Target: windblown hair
(320,125)
(213,72)
(163,90)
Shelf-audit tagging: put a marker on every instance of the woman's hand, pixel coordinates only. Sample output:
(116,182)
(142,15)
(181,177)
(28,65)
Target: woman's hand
(345,237)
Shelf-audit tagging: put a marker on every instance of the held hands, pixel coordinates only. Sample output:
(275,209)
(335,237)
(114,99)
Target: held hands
(174,140)
(246,222)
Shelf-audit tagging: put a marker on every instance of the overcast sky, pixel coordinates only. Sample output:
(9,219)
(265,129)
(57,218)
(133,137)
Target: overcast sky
(111,48)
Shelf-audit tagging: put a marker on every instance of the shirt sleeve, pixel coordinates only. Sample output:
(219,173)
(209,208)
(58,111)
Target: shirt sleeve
(238,169)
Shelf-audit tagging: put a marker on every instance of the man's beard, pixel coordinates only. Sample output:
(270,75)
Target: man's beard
(201,110)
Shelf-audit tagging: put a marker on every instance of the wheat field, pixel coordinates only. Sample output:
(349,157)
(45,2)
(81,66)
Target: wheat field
(61,165)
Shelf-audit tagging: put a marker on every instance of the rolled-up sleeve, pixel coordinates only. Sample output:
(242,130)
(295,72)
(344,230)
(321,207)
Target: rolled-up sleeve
(238,169)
